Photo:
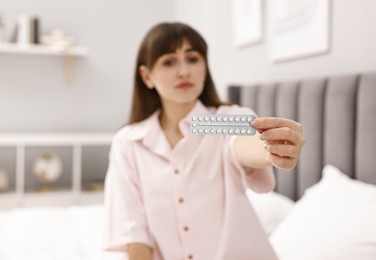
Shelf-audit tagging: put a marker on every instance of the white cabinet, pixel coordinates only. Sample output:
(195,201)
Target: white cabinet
(85,161)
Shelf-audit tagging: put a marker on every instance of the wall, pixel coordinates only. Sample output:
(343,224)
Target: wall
(33,94)
(34,97)
(353,44)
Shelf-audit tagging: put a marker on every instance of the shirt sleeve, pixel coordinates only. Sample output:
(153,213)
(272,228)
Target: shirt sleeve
(125,220)
(230,140)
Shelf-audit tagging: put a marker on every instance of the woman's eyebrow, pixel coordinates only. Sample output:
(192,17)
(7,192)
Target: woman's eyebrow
(190,50)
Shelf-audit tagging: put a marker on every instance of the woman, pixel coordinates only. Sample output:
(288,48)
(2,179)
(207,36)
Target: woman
(174,195)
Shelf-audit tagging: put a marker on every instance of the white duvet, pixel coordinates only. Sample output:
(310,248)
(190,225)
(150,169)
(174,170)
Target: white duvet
(75,233)
(53,233)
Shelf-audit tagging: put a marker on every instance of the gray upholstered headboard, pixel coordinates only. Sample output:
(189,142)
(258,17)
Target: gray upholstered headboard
(338,115)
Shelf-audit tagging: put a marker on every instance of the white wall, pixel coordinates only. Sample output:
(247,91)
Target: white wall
(33,95)
(353,44)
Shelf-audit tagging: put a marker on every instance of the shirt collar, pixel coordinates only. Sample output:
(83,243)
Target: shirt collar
(184,124)
(146,127)
(150,133)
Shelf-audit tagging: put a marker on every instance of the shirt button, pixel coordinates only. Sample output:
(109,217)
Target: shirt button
(177,171)
(181,200)
(190,256)
(186,228)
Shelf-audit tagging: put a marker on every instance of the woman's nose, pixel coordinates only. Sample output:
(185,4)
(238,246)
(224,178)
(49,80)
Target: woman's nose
(183,69)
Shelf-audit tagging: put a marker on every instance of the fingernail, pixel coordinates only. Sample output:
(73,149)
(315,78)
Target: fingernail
(265,146)
(253,122)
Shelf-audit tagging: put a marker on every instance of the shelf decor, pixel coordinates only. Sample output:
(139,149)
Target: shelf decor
(246,22)
(47,169)
(298,29)
(26,40)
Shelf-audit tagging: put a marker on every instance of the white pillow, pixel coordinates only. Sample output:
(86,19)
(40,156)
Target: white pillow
(335,219)
(271,208)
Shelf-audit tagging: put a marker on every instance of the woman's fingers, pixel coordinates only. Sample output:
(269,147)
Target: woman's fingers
(282,162)
(283,133)
(263,123)
(283,150)
(283,140)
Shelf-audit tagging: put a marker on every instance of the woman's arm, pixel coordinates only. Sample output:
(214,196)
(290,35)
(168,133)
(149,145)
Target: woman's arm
(250,153)
(139,251)
(278,142)
(124,215)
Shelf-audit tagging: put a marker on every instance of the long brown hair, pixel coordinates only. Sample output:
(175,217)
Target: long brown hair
(161,39)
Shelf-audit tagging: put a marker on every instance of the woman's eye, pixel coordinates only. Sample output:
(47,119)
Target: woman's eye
(193,59)
(169,62)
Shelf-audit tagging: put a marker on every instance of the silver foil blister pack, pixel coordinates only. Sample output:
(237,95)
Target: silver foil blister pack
(222,124)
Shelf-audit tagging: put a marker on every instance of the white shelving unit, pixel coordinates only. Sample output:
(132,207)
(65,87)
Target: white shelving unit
(75,194)
(38,49)
(69,53)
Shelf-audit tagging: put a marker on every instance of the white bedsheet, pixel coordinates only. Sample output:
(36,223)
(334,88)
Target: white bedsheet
(53,233)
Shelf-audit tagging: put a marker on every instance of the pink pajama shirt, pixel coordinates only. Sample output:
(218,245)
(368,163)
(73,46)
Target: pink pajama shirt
(188,202)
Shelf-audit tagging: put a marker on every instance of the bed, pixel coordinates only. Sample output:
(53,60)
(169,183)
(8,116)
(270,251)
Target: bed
(331,213)
(53,233)
(324,209)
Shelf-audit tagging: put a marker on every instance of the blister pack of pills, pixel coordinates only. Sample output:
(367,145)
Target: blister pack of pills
(222,124)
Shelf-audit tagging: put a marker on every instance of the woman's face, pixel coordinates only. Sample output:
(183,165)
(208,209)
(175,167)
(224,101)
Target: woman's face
(178,77)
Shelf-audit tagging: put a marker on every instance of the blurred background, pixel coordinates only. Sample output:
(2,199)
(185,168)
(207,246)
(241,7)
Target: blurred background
(34,96)
(61,102)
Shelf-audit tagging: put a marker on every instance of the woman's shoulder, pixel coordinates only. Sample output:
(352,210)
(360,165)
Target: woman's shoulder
(234,109)
(130,132)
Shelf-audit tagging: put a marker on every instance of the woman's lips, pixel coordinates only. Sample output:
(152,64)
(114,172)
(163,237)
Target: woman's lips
(184,85)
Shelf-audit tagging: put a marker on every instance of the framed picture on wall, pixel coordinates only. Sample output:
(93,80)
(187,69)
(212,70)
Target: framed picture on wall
(297,28)
(246,22)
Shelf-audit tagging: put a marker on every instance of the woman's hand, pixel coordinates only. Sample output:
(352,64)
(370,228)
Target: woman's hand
(139,251)
(283,140)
